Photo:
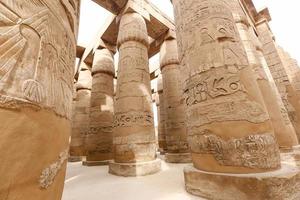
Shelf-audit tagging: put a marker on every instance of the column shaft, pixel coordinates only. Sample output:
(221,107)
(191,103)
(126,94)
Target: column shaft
(161,117)
(134,136)
(283,130)
(226,116)
(80,122)
(99,140)
(176,133)
(289,95)
(37,57)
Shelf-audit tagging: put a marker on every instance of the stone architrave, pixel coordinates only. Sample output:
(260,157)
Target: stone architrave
(176,133)
(99,140)
(161,117)
(37,58)
(284,131)
(134,143)
(80,121)
(230,132)
(289,95)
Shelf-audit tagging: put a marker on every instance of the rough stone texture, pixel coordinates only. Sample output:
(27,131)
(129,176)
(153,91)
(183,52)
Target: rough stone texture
(135,169)
(292,68)
(228,125)
(176,132)
(284,131)
(37,56)
(99,140)
(161,115)
(276,65)
(282,184)
(95,163)
(178,157)
(133,133)
(80,121)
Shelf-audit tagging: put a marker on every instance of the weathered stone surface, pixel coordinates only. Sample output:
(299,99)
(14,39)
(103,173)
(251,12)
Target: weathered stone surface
(284,131)
(99,140)
(80,120)
(228,125)
(289,95)
(277,185)
(135,169)
(161,115)
(175,126)
(133,133)
(37,56)
(178,157)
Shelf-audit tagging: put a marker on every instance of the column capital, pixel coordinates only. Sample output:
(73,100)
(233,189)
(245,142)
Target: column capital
(133,28)
(168,53)
(103,62)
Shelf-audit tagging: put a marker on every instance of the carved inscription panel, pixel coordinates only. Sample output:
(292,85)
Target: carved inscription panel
(253,151)
(37,53)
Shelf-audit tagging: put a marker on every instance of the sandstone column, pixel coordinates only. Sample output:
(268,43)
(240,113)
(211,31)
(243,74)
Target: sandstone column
(37,58)
(100,139)
(134,136)
(176,133)
(80,122)
(228,125)
(289,95)
(283,130)
(161,117)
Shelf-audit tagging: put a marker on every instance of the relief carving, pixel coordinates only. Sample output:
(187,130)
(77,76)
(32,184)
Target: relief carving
(253,151)
(36,66)
(133,118)
(48,175)
(219,95)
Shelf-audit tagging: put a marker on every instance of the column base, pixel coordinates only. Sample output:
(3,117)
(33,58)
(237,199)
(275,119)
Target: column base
(135,169)
(95,163)
(178,158)
(74,159)
(280,184)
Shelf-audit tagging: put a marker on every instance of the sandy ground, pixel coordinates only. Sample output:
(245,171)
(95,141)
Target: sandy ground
(95,183)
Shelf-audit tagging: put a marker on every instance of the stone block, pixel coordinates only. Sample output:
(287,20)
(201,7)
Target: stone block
(135,169)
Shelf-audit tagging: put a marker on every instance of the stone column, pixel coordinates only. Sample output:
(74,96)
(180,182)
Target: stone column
(133,133)
(100,139)
(37,58)
(161,117)
(80,124)
(176,133)
(73,158)
(289,95)
(283,130)
(291,67)
(229,129)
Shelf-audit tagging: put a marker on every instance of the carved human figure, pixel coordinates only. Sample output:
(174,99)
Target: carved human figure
(37,57)
(81,119)
(228,126)
(284,131)
(100,139)
(176,133)
(161,116)
(133,134)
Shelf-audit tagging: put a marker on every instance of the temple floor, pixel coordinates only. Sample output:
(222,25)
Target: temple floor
(94,183)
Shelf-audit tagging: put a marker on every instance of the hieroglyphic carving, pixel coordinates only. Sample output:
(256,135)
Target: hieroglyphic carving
(36,65)
(133,118)
(219,95)
(48,174)
(211,85)
(252,151)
